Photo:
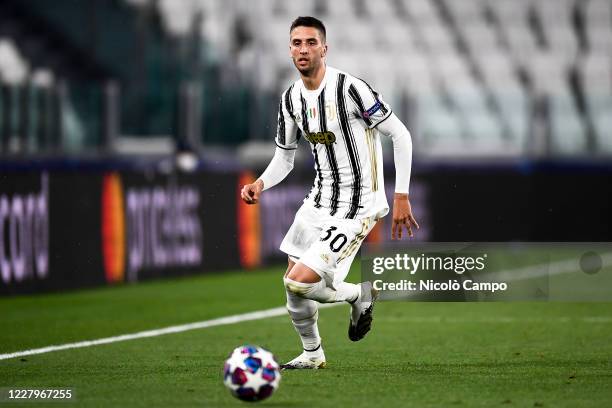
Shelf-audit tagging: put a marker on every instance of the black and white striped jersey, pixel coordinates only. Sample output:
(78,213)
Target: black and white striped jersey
(339,121)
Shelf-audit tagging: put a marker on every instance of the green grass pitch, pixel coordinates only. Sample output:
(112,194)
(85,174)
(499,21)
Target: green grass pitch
(417,355)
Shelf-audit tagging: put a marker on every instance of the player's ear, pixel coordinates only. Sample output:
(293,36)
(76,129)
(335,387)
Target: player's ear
(324,53)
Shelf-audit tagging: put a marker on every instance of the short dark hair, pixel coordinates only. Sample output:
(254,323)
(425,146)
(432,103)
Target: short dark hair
(307,21)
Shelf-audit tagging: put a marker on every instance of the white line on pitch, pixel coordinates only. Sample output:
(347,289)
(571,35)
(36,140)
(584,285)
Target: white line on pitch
(542,270)
(221,321)
(496,319)
(553,268)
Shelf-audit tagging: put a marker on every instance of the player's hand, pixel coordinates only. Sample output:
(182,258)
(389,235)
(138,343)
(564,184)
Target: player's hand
(250,193)
(402,216)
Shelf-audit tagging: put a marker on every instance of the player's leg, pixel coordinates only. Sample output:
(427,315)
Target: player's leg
(360,320)
(304,287)
(320,273)
(305,282)
(331,257)
(361,297)
(303,312)
(362,311)
(304,315)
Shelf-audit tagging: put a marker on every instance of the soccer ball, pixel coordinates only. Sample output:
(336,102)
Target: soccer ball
(251,373)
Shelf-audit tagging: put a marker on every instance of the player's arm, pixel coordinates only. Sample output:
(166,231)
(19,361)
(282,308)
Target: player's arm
(282,162)
(280,166)
(377,114)
(402,156)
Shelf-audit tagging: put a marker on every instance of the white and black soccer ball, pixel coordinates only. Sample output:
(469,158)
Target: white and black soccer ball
(251,373)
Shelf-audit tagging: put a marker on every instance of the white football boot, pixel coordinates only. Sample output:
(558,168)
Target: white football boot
(361,312)
(308,360)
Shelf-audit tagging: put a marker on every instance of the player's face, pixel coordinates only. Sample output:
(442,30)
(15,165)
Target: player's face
(307,49)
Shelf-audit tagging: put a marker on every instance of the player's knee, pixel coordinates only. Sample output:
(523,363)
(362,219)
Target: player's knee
(290,265)
(303,274)
(300,289)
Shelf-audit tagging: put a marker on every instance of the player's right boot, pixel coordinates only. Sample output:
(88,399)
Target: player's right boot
(361,312)
(308,360)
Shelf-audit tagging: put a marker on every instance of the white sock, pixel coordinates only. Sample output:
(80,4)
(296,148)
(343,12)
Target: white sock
(316,353)
(319,291)
(348,291)
(304,314)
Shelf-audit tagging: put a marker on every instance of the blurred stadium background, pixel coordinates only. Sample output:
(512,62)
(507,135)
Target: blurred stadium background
(127,126)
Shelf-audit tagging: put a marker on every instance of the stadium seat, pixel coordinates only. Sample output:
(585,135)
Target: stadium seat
(294,9)
(479,37)
(436,36)
(13,67)
(521,43)
(509,11)
(178,15)
(603,127)
(414,73)
(516,50)
(438,131)
(553,12)
(548,73)
(599,13)
(514,108)
(381,10)
(341,9)
(599,108)
(452,69)
(568,133)
(421,11)
(465,10)
(395,36)
(346,61)
(596,74)
(497,69)
(482,126)
(563,42)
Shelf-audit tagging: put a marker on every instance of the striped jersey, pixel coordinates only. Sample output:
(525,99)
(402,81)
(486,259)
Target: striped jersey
(338,121)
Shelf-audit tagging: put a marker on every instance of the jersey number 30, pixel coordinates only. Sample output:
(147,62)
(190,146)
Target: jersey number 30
(339,240)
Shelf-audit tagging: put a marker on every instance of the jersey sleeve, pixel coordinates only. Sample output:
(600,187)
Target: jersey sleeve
(368,103)
(287,130)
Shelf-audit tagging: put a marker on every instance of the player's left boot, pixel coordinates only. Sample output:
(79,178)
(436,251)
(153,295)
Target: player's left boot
(308,360)
(361,312)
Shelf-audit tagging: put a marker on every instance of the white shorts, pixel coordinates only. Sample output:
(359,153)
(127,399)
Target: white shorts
(324,243)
